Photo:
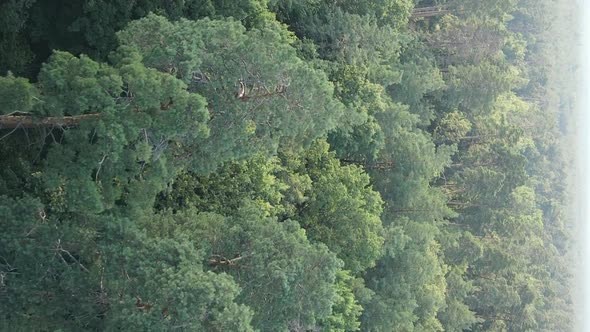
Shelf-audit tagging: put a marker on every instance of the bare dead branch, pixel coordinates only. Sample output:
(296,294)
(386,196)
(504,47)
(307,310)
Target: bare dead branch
(59,250)
(99,167)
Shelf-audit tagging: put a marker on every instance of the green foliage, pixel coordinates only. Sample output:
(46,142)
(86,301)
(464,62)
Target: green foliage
(60,273)
(361,143)
(224,60)
(341,210)
(73,86)
(456,315)
(362,138)
(299,13)
(106,161)
(459,41)
(17,95)
(224,191)
(286,280)
(408,282)
(15,52)
(391,12)
(358,40)
(476,88)
(492,9)
(419,80)
(32,29)
(253,13)
(452,128)
(285,165)
(334,204)
(346,310)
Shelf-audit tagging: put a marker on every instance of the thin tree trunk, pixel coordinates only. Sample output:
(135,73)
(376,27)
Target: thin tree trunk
(380,165)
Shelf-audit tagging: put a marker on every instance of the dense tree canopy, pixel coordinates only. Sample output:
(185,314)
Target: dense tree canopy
(285,165)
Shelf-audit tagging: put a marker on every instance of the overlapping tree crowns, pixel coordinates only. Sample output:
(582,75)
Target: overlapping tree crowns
(462,150)
(146,113)
(283,98)
(109,122)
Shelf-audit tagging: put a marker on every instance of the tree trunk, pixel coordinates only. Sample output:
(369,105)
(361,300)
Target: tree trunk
(8,121)
(461,205)
(429,11)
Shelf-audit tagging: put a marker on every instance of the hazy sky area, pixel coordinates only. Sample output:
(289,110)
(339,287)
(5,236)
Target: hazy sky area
(583,182)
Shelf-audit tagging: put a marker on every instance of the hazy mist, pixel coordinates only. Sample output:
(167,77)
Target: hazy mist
(580,181)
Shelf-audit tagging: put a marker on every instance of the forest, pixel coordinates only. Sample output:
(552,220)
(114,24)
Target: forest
(286,165)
